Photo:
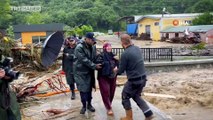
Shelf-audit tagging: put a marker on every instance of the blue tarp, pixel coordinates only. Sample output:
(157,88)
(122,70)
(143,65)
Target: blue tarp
(132,29)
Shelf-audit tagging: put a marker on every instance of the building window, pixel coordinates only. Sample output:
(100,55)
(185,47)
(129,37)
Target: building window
(38,39)
(156,23)
(176,34)
(167,35)
(188,22)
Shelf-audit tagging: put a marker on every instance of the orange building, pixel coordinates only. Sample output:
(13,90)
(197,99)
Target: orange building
(36,33)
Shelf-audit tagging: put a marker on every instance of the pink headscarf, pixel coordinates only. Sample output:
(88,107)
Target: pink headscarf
(106,45)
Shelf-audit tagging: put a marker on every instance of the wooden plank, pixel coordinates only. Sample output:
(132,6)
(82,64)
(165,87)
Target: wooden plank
(159,95)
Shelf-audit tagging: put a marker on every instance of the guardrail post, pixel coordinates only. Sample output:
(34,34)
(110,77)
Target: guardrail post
(171,55)
(149,54)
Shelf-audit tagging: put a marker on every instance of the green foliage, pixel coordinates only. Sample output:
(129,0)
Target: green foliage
(203,6)
(86,29)
(204,19)
(199,46)
(69,31)
(35,18)
(100,14)
(5,15)
(6,44)
(18,18)
(80,30)
(10,32)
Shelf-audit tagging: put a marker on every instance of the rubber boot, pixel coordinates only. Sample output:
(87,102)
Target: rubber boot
(149,118)
(128,115)
(73,95)
(90,108)
(83,110)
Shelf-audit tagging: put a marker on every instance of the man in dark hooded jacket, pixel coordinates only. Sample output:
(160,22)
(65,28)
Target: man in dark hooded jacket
(84,68)
(68,60)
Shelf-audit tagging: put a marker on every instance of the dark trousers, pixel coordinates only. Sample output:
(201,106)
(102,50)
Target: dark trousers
(10,115)
(72,87)
(133,89)
(107,88)
(71,81)
(86,98)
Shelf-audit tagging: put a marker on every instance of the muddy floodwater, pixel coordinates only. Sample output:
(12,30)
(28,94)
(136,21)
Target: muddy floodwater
(192,89)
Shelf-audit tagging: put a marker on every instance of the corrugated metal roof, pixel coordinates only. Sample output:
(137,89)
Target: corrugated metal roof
(199,28)
(158,16)
(129,18)
(39,27)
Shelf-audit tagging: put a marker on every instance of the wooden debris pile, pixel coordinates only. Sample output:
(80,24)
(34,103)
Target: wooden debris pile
(41,86)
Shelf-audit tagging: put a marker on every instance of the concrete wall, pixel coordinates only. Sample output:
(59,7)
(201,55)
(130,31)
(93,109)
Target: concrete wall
(172,35)
(169,66)
(202,37)
(181,34)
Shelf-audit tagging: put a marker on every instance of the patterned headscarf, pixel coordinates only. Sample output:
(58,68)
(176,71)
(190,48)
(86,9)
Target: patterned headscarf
(106,45)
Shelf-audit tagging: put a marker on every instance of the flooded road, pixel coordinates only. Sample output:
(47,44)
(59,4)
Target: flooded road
(36,110)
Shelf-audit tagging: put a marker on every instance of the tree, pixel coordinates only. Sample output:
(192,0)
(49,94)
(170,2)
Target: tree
(102,14)
(18,18)
(84,16)
(10,32)
(80,30)
(86,29)
(204,19)
(203,6)
(4,13)
(35,18)
(105,17)
(69,31)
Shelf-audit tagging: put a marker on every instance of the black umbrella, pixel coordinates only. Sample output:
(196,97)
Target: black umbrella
(51,48)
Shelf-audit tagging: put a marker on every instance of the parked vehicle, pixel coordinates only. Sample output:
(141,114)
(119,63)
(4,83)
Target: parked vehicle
(110,32)
(98,33)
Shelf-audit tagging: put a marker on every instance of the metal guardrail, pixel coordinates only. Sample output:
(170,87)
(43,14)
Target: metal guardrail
(149,54)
